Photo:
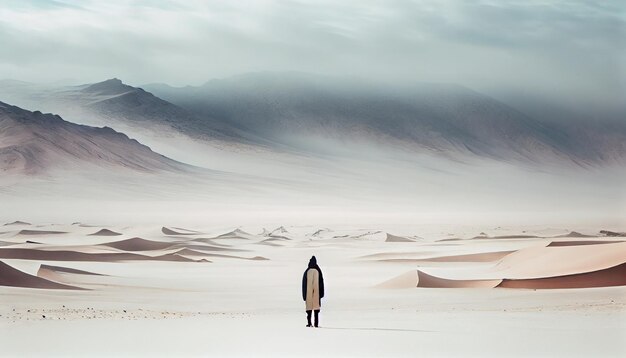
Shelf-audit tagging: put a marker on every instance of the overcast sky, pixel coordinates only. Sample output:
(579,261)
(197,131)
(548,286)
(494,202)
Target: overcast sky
(574,48)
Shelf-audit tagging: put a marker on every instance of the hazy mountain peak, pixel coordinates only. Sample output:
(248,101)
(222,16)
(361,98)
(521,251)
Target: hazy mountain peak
(109,87)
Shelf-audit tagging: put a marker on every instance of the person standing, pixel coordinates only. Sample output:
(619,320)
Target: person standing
(313,290)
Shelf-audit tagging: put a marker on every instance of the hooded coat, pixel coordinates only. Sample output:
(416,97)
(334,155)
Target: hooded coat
(313,286)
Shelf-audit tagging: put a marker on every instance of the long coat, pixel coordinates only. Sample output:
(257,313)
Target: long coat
(313,288)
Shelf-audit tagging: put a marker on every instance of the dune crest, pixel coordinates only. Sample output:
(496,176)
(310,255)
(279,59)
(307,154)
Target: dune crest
(550,261)
(236,234)
(406,280)
(17,222)
(418,278)
(138,244)
(575,234)
(66,255)
(178,231)
(428,281)
(41,232)
(480,257)
(395,238)
(612,233)
(10,276)
(68,270)
(580,243)
(105,232)
(613,276)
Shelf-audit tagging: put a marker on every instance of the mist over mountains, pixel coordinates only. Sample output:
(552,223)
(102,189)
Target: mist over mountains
(290,140)
(299,110)
(332,116)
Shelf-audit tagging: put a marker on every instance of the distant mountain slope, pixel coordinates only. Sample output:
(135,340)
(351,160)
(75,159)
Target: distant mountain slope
(33,142)
(294,108)
(118,101)
(316,114)
(116,104)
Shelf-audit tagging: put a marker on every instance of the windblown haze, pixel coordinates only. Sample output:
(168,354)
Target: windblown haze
(570,51)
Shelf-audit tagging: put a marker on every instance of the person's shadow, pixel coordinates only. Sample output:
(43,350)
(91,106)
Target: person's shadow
(379,329)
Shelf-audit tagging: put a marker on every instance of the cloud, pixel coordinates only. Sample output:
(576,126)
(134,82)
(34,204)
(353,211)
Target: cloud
(571,47)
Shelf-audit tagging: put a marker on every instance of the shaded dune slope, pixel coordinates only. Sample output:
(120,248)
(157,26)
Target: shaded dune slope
(105,232)
(178,231)
(428,281)
(395,238)
(613,276)
(40,232)
(68,270)
(10,276)
(572,264)
(480,257)
(138,244)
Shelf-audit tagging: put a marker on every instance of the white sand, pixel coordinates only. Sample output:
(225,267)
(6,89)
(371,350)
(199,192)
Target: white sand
(235,307)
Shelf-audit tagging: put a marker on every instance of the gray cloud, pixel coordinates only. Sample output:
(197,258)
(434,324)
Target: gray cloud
(568,49)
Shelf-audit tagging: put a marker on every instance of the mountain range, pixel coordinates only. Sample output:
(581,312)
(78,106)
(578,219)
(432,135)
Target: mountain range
(319,115)
(33,143)
(295,108)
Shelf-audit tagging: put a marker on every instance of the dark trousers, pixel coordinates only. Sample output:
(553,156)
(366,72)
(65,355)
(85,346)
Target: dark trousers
(317,317)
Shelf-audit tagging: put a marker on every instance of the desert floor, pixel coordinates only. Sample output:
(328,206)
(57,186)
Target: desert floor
(163,291)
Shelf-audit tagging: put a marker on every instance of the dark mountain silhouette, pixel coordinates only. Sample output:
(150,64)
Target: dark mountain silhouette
(33,142)
(291,108)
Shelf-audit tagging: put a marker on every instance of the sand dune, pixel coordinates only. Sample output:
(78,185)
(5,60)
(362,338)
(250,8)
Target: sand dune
(279,231)
(178,231)
(578,243)
(10,276)
(68,270)
(236,234)
(613,276)
(318,232)
(428,281)
(540,262)
(138,244)
(258,258)
(575,234)
(394,238)
(566,264)
(205,247)
(280,237)
(382,256)
(17,223)
(517,237)
(64,255)
(480,257)
(417,278)
(369,233)
(105,232)
(271,242)
(175,257)
(40,232)
(65,274)
(612,233)
(483,236)
(406,280)
(189,252)
(194,253)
